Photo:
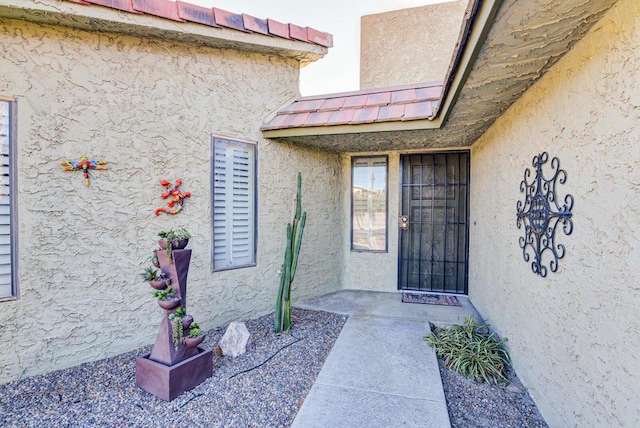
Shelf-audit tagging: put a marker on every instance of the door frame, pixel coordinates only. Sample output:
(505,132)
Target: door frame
(401,155)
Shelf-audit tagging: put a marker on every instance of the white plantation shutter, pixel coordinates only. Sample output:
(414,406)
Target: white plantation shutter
(233,203)
(7,288)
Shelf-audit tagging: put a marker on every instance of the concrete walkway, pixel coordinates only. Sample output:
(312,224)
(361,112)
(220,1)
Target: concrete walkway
(380,372)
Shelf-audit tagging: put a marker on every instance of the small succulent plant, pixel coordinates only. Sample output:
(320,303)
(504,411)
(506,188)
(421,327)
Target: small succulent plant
(194,330)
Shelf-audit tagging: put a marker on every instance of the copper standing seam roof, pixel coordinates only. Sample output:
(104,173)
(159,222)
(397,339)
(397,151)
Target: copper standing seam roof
(397,103)
(213,17)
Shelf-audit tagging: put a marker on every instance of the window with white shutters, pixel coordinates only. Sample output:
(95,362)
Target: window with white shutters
(8,286)
(234,203)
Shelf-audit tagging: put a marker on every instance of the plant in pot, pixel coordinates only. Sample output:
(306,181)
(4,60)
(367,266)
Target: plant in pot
(173,240)
(167,298)
(186,318)
(180,321)
(156,278)
(195,336)
(176,327)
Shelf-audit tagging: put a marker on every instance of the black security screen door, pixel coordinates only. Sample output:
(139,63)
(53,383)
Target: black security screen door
(434,222)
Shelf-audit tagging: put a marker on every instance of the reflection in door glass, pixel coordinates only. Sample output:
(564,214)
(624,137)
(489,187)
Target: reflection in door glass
(369,203)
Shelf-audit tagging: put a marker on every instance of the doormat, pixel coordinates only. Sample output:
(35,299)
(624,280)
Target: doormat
(430,299)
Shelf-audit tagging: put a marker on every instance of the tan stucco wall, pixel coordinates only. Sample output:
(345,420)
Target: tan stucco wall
(148,107)
(574,335)
(409,45)
(365,270)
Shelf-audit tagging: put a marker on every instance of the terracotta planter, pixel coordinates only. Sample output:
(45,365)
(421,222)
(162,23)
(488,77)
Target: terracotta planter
(192,342)
(160,284)
(170,302)
(176,244)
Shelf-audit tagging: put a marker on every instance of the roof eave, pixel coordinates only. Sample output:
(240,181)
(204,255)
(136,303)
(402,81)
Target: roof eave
(95,18)
(505,47)
(409,125)
(478,21)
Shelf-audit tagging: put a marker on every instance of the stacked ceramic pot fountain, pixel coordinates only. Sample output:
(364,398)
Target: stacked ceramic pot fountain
(174,366)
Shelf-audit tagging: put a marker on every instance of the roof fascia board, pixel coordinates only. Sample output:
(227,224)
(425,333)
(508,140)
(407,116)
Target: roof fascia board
(410,125)
(481,26)
(96,18)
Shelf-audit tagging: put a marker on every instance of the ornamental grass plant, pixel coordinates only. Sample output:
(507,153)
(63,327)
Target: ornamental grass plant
(472,350)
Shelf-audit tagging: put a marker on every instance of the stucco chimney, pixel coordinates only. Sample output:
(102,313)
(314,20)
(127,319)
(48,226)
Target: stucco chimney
(409,45)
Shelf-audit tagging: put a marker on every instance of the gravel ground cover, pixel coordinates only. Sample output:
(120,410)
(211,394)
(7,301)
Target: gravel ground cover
(103,393)
(473,404)
(262,388)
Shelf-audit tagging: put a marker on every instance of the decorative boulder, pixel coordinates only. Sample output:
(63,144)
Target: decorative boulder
(235,339)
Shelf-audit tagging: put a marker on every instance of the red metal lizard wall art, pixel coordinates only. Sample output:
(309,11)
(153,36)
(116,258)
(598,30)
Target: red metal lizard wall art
(177,197)
(85,165)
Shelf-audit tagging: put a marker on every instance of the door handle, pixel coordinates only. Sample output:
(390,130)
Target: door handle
(404,222)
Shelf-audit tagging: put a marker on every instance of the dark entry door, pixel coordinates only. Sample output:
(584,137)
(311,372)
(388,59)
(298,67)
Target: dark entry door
(434,222)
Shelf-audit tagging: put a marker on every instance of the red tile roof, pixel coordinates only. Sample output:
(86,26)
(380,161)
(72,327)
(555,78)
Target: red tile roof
(399,103)
(213,17)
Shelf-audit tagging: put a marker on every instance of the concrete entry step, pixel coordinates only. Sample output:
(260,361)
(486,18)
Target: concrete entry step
(357,302)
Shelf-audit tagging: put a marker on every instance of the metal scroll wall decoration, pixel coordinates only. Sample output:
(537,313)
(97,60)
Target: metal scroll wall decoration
(84,165)
(175,195)
(541,214)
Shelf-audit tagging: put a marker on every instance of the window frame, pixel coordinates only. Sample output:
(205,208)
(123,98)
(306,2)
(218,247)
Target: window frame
(13,198)
(354,159)
(254,170)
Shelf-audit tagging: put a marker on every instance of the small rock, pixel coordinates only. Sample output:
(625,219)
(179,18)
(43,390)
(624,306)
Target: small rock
(235,339)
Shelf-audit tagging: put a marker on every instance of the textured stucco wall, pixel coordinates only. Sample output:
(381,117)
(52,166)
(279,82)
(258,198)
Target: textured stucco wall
(365,270)
(574,336)
(409,45)
(149,108)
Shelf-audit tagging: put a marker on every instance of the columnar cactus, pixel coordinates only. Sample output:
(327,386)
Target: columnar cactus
(288,270)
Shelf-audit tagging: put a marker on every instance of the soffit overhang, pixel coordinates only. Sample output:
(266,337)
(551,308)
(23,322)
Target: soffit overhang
(509,45)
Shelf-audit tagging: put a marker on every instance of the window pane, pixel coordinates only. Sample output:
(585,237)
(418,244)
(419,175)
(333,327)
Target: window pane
(234,207)
(369,204)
